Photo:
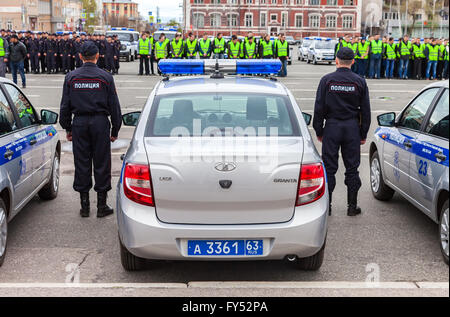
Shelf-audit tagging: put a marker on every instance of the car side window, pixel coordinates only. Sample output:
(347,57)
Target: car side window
(439,122)
(24,109)
(414,115)
(7,122)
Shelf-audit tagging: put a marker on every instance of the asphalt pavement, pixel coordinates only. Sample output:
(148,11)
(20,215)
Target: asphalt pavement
(392,249)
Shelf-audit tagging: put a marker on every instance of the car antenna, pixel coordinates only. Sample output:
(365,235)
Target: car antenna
(217,74)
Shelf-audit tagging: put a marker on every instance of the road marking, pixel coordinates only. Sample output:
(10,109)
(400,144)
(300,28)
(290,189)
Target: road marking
(239,285)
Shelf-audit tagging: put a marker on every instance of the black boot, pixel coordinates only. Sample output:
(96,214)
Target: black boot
(85,205)
(103,210)
(353,209)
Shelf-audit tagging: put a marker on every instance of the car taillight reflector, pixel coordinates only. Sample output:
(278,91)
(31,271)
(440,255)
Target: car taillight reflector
(312,184)
(137,184)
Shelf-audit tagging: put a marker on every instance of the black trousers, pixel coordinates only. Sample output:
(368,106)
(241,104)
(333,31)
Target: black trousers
(110,64)
(144,60)
(346,136)
(417,71)
(92,146)
(152,60)
(34,59)
(51,62)
(439,69)
(66,59)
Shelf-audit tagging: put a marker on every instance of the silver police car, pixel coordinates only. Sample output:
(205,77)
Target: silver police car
(410,156)
(29,156)
(221,168)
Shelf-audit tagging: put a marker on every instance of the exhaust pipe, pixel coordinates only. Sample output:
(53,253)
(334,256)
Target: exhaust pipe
(291,258)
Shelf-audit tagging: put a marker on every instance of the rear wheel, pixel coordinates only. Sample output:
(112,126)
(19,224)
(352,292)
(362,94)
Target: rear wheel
(3,231)
(50,190)
(380,190)
(443,231)
(129,261)
(312,263)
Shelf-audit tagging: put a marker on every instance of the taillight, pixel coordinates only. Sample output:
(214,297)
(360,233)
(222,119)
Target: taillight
(137,184)
(312,184)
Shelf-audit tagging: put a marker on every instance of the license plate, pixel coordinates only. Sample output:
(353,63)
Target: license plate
(225,247)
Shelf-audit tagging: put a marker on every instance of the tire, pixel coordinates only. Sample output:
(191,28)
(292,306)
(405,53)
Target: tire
(128,57)
(129,261)
(3,231)
(308,61)
(311,263)
(329,63)
(50,190)
(290,63)
(443,231)
(314,61)
(380,190)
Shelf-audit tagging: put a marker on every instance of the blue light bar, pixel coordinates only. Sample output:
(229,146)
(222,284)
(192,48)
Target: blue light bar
(132,30)
(201,67)
(261,66)
(124,29)
(182,66)
(114,29)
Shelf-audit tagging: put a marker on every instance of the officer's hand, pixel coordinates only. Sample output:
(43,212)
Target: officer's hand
(363,142)
(113,139)
(5,60)
(320,138)
(69,136)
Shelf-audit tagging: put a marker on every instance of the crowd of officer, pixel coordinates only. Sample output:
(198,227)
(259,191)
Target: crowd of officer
(152,50)
(403,58)
(54,53)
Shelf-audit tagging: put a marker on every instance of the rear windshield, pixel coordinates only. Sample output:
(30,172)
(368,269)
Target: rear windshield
(306,43)
(222,115)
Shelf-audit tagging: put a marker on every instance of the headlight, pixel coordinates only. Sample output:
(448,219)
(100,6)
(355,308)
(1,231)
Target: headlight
(123,47)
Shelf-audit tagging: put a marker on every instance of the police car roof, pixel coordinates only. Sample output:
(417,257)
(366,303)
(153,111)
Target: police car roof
(439,84)
(201,84)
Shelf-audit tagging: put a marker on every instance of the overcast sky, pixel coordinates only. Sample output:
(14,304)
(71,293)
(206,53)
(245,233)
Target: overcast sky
(168,9)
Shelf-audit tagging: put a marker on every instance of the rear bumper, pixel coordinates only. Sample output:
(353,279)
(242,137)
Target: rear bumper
(145,236)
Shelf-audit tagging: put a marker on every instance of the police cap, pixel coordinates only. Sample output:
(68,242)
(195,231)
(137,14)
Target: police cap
(89,49)
(345,54)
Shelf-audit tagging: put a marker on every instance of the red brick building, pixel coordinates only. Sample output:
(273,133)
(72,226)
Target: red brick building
(299,18)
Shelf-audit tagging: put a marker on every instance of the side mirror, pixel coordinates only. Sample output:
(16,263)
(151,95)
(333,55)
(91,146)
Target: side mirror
(386,119)
(307,117)
(49,117)
(131,119)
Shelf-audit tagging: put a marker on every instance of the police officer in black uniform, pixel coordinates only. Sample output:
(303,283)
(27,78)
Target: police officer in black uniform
(90,95)
(343,102)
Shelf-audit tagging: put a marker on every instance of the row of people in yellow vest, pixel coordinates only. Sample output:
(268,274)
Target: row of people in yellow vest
(386,57)
(205,48)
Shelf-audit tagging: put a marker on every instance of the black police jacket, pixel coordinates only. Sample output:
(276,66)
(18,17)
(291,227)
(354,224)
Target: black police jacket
(90,90)
(342,95)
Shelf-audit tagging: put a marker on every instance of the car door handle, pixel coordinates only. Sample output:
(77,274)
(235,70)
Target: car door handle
(33,142)
(440,156)
(8,154)
(408,144)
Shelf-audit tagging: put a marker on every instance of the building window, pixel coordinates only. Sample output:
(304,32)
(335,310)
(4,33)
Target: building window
(215,20)
(314,2)
(299,21)
(263,1)
(284,19)
(273,17)
(9,25)
(248,20)
(263,19)
(232,1)
(332,2)
(285,2)
(274,1)
(232,20)
(248,1)
(198,1)
(215,1)
(348,2)
(314,21)
(298,2)
(199,20)
(347,22)
(331,21)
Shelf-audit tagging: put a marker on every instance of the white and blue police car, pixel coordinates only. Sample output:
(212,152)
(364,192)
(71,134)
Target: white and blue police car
(410,156)
(29,156)
(321,50)
(221,167)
